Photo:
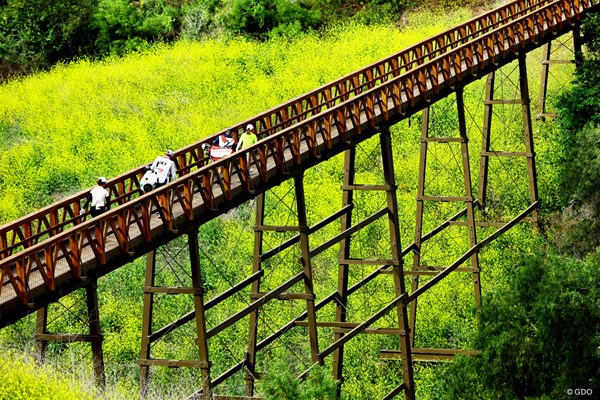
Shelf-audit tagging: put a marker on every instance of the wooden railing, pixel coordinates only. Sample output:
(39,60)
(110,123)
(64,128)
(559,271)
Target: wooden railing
(49,221)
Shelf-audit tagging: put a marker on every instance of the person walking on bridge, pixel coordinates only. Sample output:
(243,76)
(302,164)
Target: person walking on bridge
(98,198)
(164,169)
(247,139)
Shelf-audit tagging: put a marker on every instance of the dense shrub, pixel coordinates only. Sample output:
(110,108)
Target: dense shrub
(22,379)
(125,26)
(36,34)
(540,336)
(579,120)
(260,18)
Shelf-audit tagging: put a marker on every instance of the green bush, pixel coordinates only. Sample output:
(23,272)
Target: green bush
(125,26)
(38,33)
(201,19)
(283,385)
(579,120)
(539,337)
(22,379)
(259,18)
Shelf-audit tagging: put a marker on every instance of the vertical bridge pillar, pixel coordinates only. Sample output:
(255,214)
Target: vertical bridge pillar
(149,336)
(346,330)
(418,269)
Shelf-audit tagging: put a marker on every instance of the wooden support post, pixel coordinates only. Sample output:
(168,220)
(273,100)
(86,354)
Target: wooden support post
(484,164)
(528,132)
(148,336)
(419,218)
(256,267)
(200,314)
(546,61)
(342,284)
(95,332)
(469,204)
(307,269)
(41,328)
(546,51)
(147,321)
(397,267)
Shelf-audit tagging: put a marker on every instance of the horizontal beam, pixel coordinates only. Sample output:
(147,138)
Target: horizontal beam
(367,187)
(173,363)
(319,225)
(209,304)
(444,198)
(442,140)
(362,326)
(367,261)
(506,154)
(442,274)
(433,273)
(172,290)
(428,354)
(68,338)
(285,296)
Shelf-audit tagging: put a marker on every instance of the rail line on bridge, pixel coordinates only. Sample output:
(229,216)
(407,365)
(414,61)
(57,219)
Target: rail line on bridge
(53,252)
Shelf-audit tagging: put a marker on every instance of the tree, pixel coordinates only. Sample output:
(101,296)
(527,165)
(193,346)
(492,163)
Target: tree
(36,34)
(123,26)
(539,338)
(579,120)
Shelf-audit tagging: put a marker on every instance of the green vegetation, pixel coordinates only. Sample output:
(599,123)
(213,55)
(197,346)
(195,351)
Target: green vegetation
(35,35)
(579,120)
(540,335)
(22,379)
(284,386)
(61,129)
(65,127)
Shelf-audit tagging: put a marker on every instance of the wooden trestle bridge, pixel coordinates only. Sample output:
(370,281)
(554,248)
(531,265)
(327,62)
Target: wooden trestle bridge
(55,251)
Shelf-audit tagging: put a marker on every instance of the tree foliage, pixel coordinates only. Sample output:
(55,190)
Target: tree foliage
(580,106)
(37,34)
(123,26)
(540,336)
(579,119)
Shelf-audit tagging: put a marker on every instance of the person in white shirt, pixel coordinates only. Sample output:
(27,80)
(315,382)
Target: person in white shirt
(164,168)
(98,198)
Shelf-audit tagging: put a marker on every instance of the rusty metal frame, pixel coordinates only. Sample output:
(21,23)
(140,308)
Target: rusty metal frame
(149,337)
(468,199)
(49,221)
(529,153)
(546,63)
(322,134)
